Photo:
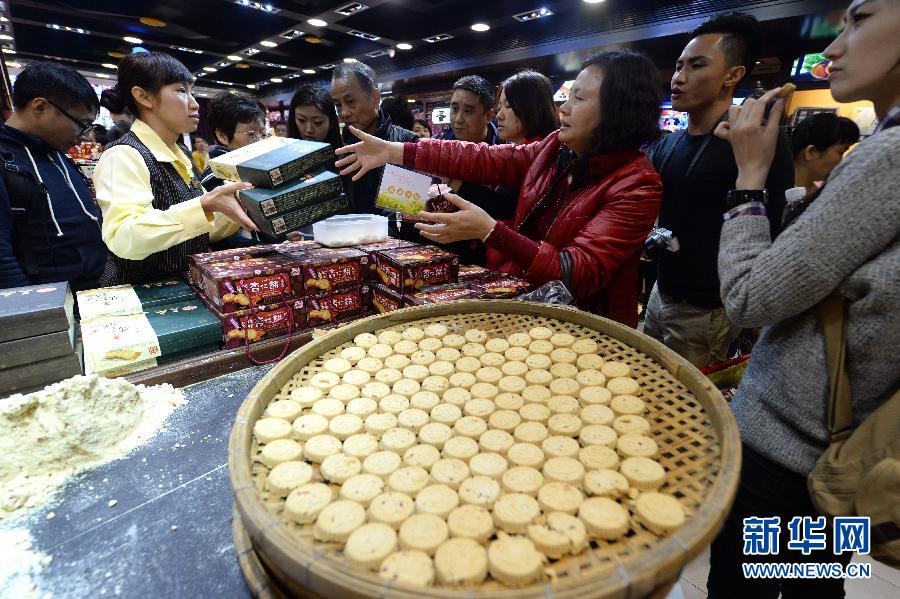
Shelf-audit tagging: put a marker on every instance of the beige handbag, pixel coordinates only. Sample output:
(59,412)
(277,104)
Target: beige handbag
(859,473)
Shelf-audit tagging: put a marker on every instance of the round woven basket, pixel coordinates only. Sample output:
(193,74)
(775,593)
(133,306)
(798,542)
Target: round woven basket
(693,426)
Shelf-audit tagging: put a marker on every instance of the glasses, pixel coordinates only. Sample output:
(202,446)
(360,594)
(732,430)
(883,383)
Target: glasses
(83,129)
(257,135)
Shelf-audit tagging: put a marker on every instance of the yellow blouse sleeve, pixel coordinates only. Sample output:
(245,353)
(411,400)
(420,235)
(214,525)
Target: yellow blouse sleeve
(132,228)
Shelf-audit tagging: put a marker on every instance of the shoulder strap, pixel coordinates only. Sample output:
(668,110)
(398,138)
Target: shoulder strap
(840,409)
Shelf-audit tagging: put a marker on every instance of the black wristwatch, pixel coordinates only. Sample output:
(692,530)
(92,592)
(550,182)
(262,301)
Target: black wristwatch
(736,197)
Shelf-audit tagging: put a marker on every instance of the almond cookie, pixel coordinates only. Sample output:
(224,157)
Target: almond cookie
(395,361)
(462,379)
(423,532)
(480,406)
(644,474)
(378,424)
(564,386)
(282,450)
(530,432)
(370,544)
(514,368)
(450,472)
(393,404)
(454,341)
(304,503)
(324,381)
(605,483)
(479,490)
(447,354)
(519,340)
(597,414)
(365,340)
(406,387)
(473,350)
(441,368)
(591,378)
(413,334)
(536,394)
(354,354)
(564,424)
(416,372)
(598,434)
(563,355)
(564,404)
(337,365)
(409,567)
(564,470)
(344,426)
(488,374)
(285,409)
(471,522)
(526,454)
(437,330)
(492,465)
(360,446)
(585,346)
(423,456)
(362,488)
(317,448)
(470,426)
(389,337)
(430,344)
(604,518)
(408,480)
(331,407)
(564,371)
(375,390)
(380,351)
(661,514)
(495,441)
(597,457)
(398,440)
(460,448)
(515,511)
(476,336)
(391,509)
(338,520)
(460,562)
(496,345)
(306,396)
(413,419)
(627,405)
(308,426)
(590,362)
(435,433)
(623,385)
(457,396)
(439,500)
(522,479)
(562,340)
(381,463)
(559,446)
(388,376)
(538,377)
(338,468)
(371,365)
(287,476)
(594,396)
(356,377)
(538,361)
(613,370)
(504,420)
(445,413)
(535,412)
(561,534)
(436,384)
(631,425)
(508,401)
(630,446)
(267,430)
(514,561)
(424,400)
(468,364)
(559,497)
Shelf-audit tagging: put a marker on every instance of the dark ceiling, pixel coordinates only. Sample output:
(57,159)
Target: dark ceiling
(203,33)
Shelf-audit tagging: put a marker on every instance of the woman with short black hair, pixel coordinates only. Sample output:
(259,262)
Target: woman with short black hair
(236,119)
(311,116)
(422,128)
(819,142)
(588,197)
(527,112)
(155,213)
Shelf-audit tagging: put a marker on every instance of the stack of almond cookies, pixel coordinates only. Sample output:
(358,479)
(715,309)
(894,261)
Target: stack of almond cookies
(437,457)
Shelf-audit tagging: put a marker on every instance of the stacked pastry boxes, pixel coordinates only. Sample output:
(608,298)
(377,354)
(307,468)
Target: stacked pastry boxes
(291,190)
(267,291)
(129,328)
(37,337)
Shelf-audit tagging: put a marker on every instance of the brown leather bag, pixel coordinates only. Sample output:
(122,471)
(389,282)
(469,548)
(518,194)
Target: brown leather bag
(859,473)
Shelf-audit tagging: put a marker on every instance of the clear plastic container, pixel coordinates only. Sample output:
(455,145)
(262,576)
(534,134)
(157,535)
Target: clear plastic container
(351,229)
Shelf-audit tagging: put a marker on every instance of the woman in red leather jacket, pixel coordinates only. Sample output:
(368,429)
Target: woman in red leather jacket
(588,197)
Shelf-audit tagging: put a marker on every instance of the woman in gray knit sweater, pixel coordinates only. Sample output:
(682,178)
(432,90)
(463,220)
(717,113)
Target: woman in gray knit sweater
(847,240)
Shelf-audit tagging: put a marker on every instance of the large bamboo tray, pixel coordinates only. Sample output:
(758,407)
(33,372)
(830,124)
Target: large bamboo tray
(697,435)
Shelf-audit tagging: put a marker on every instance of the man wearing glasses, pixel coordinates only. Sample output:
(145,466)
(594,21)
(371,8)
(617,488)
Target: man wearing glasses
(236,120)
(49,223)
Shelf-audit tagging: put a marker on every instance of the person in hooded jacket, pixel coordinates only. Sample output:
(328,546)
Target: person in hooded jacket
(49,223)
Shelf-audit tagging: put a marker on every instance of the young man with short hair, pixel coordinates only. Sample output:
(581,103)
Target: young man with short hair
(697,170)
(49,223)
(357,103)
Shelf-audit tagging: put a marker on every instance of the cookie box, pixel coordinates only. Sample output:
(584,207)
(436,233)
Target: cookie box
(469,274)
(390,244)
(327,270)
(292,248)
(440,294)
(260,323)
(272,161)
(195,261)
(501,286)
(234,286)
(278,227)
(339,306)
(261,203)
(385,299)
(408,270)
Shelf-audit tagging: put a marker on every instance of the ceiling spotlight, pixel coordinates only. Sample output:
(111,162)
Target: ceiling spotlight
(593,1)
(309,71)
(14,64)
(209,69)
(312,39)
(480,27)
(349,60)
(404,46)
(251,86)
(103,75)
(8,51)
(6,37)
(317,22)
(133,40)
(115,54)
(242,65)
(275,79)
(234,57)
(291,34)
(411,100)
(267,44)
(3,19)
(109,65)
(151,22)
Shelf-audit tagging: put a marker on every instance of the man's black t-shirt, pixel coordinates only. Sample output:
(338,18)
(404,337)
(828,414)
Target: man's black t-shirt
(697,171)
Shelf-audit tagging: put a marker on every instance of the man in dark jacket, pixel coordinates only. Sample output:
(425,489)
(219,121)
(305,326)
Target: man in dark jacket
(356,101)
(49,223)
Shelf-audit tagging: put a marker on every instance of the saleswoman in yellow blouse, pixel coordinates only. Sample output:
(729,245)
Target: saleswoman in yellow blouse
(155,213)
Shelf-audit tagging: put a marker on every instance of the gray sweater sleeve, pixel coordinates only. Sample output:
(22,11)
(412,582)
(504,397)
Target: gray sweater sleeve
(855,217)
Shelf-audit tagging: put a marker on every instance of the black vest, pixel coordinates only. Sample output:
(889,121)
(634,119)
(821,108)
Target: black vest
(168,189)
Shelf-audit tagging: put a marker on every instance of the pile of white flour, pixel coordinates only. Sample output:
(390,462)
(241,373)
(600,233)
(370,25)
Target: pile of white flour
(71,426)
